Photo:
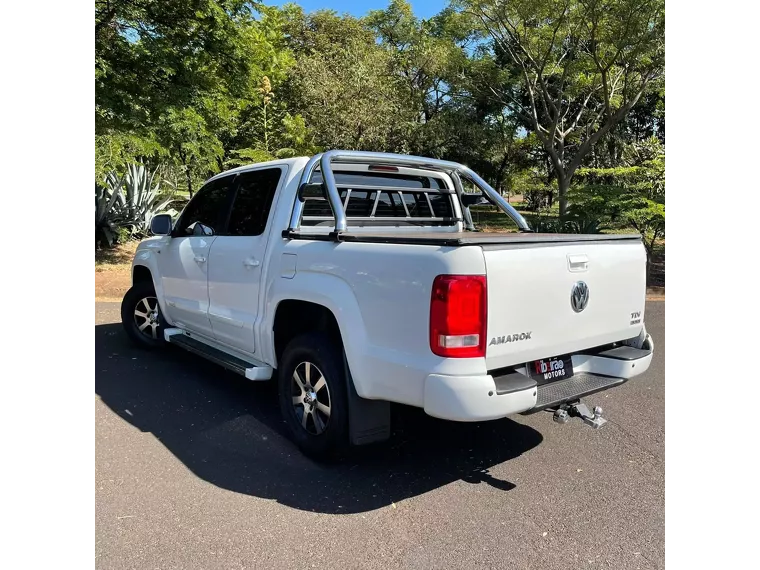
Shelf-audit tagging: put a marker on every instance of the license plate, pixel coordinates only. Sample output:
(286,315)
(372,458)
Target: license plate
(550,369)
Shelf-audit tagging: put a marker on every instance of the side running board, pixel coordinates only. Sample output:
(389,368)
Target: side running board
(233,363)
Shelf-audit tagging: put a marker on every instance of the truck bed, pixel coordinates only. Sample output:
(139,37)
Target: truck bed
(454,239)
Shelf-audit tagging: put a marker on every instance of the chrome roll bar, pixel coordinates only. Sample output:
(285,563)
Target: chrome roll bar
(454,169)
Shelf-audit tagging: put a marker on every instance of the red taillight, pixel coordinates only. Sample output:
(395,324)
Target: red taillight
(458,316)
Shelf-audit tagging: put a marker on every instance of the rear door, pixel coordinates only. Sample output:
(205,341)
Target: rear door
(553,299)
(184,261)
(236,259)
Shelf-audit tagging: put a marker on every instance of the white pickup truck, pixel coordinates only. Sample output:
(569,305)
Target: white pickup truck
(356,279)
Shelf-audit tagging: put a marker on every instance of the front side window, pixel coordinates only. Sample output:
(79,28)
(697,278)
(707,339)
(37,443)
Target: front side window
(253,200)
(203,215)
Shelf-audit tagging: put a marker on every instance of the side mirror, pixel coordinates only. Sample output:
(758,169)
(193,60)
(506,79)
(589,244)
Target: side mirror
(161,225)
(311,192)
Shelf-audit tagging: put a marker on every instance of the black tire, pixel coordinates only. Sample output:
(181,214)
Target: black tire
(326,356)
(141,298)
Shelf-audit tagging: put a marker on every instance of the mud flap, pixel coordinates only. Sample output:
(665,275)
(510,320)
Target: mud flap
(369,421)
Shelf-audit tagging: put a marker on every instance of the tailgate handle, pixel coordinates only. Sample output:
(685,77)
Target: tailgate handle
(577,263)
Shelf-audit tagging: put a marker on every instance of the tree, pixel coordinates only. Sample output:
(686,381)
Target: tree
(151,55)
(648,218)
(425,54)
(275,132)
(572,69)
(185,133)
(180,78)
(114,151)
(343,87)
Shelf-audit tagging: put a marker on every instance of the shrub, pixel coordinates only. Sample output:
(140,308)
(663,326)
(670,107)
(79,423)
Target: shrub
(596,202)
(536,200)
(553,225)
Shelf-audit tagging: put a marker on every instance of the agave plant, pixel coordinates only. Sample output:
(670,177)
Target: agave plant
(583,225)
(545,225)
(109,210)
(578,225)
(128,202)
(141,198)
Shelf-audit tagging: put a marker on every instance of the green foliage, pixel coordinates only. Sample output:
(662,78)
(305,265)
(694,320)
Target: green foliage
(181,75)
(536,200)
(625,196)
(106,216)
(114,150)
(345,91)
(553,224)
(151,56)
(647,217)
(275,132)
(645,177)
(583,225)
(141,198)
(630,196)
(196,148)
(244,156)
(544,224)
(601,202)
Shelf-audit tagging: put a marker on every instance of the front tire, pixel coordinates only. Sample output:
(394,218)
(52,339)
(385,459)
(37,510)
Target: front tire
(313,395)
(141,316)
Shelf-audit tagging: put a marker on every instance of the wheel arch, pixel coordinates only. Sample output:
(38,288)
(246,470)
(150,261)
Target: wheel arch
(368,420)
(294,317)
(145,269)
(141,274)
(326,300)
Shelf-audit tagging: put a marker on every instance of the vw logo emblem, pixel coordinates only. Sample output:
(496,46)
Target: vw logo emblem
(579,296)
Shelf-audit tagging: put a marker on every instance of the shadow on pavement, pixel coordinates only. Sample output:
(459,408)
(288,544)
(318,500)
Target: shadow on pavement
(228,431)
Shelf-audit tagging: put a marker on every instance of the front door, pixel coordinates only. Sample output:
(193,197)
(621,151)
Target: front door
(184,260)
(237,258)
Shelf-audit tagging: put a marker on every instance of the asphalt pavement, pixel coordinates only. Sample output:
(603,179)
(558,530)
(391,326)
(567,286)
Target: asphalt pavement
(193,470)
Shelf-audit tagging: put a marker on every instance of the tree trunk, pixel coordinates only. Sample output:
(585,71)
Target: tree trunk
(611,149)
(188,176)
(189,182)
(563,184)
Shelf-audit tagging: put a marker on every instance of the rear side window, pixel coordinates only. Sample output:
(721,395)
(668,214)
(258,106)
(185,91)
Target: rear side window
(253,200)
(203,215)
(375,205)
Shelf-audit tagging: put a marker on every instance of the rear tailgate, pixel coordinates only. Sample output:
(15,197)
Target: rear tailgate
(530,309)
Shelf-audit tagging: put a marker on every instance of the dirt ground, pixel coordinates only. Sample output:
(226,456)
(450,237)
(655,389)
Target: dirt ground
(113,278)
(112,271)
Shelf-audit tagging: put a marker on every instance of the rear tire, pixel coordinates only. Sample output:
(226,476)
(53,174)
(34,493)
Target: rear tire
(141,316)
(313,395)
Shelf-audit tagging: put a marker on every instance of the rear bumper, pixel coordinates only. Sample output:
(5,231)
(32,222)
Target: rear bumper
(487,397)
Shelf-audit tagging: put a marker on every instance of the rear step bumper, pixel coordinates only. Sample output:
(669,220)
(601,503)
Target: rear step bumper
(583,384)
(488,397)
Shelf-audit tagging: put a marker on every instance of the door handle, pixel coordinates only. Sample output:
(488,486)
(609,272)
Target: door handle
(251,262)
(200,259)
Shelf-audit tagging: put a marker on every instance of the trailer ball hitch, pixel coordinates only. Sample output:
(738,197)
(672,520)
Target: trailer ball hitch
(580,410)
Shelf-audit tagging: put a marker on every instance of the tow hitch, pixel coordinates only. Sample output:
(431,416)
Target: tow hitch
(580,410)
